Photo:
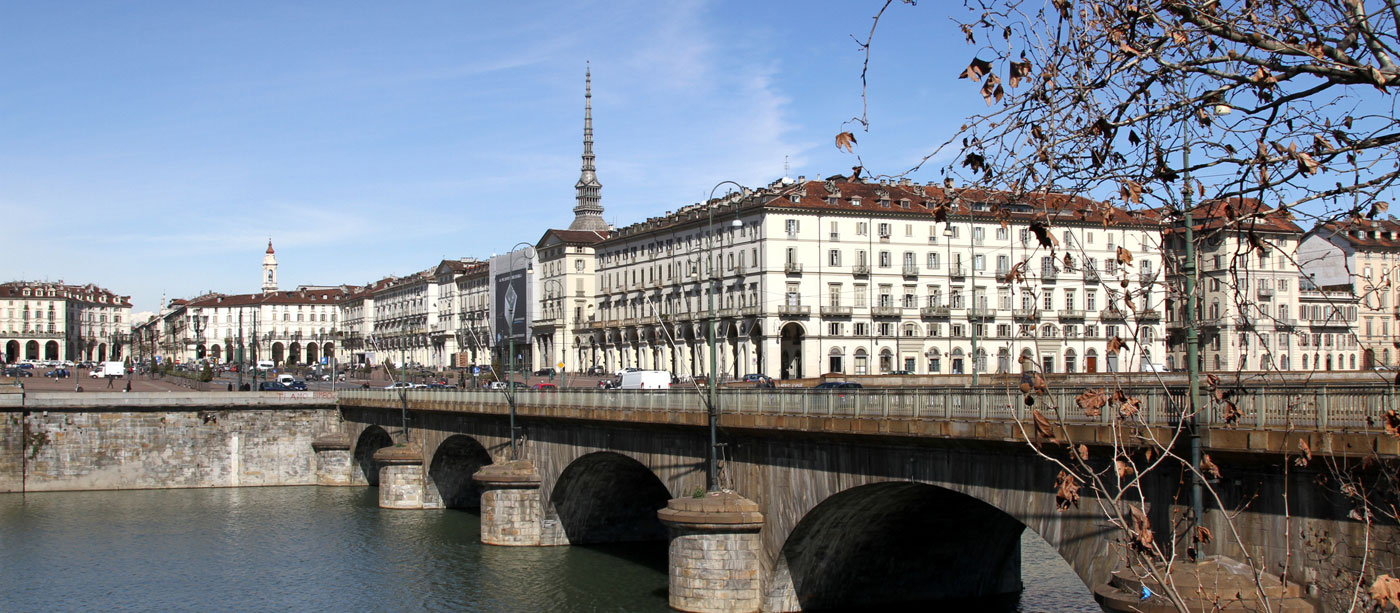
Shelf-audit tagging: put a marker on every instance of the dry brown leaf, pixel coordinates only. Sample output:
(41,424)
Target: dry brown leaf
(1129,406)
(1084,453)
(846,140)
(976,70)
(1392,423)
(1066,492)
(1307,453)
(1386,590)
(1208,468)
(1038,384)
(1115,344)
(1092,401)
(1202,535)
(1015,274)
(1125,257)
(1230,413)
(1125,469)
(1043,429)
(1140,528)
(1043,235)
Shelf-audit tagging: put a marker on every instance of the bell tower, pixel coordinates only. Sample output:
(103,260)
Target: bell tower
(269,270)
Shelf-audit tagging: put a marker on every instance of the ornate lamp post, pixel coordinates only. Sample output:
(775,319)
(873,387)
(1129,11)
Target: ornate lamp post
(511,301)
(712,414)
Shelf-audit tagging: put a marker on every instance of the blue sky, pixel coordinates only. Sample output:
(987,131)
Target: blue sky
(154,147)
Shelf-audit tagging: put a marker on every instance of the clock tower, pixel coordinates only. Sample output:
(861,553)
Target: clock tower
(269,270)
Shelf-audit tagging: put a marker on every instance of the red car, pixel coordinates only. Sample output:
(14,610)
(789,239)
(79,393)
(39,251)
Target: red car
(545,387)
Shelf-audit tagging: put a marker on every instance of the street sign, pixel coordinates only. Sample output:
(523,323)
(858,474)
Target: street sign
(561,365)
(157,359)
(476,370)
(324,360)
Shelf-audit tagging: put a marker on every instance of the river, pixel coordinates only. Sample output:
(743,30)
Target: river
(334,549)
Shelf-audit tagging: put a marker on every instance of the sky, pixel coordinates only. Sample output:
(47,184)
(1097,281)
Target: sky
(153,148)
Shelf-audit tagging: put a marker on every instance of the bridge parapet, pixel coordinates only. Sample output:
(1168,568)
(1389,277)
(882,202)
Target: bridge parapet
(136,401)
(1266,415)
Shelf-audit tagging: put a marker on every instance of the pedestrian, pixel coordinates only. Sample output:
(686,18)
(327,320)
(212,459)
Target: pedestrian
(109,383)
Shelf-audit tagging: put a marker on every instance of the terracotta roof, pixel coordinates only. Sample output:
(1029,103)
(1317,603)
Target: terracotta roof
(575,237)
(1239,214)
(269,245)
(1364,233)
(904,200)
(324,296)
(83,293)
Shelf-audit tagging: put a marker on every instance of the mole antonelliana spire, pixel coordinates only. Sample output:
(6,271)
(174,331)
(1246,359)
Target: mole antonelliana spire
(588,192)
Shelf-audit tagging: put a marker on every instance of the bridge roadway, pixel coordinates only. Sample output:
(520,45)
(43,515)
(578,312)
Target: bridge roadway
(847,499)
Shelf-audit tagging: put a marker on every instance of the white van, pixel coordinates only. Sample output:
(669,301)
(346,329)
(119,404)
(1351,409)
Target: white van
(646,380)
(286,379)
(265,365)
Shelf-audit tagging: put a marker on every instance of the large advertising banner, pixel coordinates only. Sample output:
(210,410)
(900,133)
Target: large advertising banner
(512,306)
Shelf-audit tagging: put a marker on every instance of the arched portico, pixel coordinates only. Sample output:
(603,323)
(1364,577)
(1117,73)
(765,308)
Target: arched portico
(790,341)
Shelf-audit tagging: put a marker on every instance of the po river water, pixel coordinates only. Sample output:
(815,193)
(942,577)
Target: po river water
(334,549)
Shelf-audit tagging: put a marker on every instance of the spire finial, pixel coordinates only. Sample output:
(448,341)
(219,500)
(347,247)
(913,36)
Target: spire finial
(588,207)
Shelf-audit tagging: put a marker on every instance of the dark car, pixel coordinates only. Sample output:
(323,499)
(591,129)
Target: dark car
(596,371)
(901,372)
(18,372)
(58,373)
(297,385)
(838,385)
(544,372)
(441,386)
(26,366)
(272,386)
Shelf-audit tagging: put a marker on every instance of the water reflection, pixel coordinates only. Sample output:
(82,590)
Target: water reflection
(332,549)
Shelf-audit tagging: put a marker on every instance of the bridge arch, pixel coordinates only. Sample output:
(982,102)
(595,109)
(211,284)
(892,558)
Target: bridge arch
(455,461)
(366,470)
(607,497)
(895,543)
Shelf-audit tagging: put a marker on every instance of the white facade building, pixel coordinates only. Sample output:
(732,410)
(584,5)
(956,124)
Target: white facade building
(812,277)
(55,321)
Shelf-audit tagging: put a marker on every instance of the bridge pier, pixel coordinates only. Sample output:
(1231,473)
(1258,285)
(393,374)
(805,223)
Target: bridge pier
(332,459)
(510,504)
(401,483)
(714,553)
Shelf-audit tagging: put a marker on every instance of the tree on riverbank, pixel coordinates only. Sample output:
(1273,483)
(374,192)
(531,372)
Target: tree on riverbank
(1157,107)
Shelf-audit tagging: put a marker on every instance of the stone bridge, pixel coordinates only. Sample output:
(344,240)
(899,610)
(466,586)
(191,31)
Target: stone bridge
(840,500)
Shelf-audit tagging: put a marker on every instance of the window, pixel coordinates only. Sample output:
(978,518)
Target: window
(833,329)
(884,259)
(834,257)
(861,329)
(886,329)
(935,329)
(1003,265)
(791,228)
(884,230)
(860,292)
(979,261)
(833,292)
(978,235)
(933,263)
(1002,234)
(862,228)
(1091,300)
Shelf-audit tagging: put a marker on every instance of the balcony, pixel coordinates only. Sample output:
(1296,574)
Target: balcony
(911,270)
(1071,314)
(981,313)
(793,268)
(687,316)
(1112,315)
(957,271)
(1147,276)
(794,310)
(1266,293)
(885,311)
(836,311)
(835,237)
(1026,313)
(1049,274)
(1149,315)
(751,311)
(1091,276)
(630,322)
(1285,322)
(730,312)
(935,311)
(860,269)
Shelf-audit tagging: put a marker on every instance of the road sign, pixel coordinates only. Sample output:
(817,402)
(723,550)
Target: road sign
(324,360)
(476,370)
(157,359)
(561,365)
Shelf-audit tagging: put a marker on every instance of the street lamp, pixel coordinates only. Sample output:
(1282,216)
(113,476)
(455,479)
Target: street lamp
(511,303)
(712,477)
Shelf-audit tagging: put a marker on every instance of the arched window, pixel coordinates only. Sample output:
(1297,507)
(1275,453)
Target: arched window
(958,367)
(1353,361)
(886,361)
(911,329)
(862,362)
(1070,359)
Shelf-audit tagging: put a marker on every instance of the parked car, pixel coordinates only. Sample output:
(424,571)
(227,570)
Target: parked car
(399,385)
(838,385)
(901,372)
(296,385)
(545,387)
(596,371)
(544,372)
(441,386)
(755,378)
(15,371)
(26,365)
(272,386)
(58,373)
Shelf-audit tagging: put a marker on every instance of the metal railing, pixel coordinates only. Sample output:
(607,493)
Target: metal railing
(1282,407)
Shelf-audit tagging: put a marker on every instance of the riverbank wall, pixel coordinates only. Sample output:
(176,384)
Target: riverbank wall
(89,441)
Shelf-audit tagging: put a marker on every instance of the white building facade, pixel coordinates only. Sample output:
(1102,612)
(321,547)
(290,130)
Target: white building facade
(57,321)
(813,277)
